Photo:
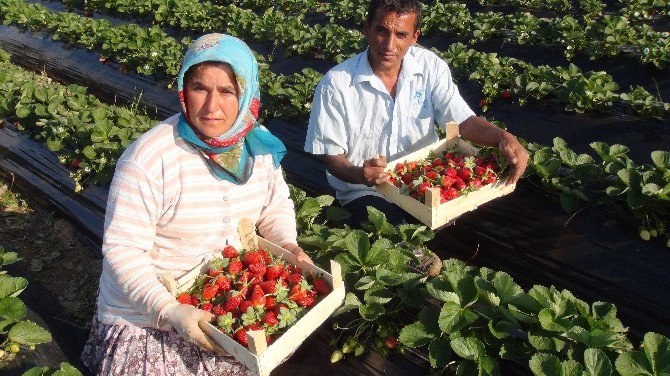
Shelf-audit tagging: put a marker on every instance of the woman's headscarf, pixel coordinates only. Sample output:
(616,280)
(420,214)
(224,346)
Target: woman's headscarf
(229,154)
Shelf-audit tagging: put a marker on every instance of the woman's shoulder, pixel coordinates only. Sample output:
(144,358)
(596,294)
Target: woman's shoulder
(158,142)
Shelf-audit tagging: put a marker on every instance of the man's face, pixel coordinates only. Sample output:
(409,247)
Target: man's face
(389,36)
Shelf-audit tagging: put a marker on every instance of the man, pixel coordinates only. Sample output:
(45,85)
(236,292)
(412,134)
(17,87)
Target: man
(384,103)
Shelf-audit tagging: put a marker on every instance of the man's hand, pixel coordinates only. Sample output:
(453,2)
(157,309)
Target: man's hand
(516,154)
(374,171)
(300,255)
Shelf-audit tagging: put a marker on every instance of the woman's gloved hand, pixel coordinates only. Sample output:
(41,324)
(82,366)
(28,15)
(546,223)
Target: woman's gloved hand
(186,319)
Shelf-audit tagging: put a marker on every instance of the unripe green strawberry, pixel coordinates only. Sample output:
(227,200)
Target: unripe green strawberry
(358,351)
(645,235)
(336,356)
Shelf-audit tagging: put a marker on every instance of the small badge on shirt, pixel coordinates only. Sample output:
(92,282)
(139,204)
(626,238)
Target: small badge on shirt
(418,101)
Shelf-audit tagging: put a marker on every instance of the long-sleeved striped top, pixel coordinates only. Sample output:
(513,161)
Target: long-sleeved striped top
(166,211)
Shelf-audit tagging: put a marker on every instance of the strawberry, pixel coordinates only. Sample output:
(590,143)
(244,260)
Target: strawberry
(506,94)
(252,258)
(422,187)
(447,181)
(223,282)
(273,272)
(278,307)
(258,296)
(270,319)
(483,102)
(270,302)
(391,342)
(437,162)
(213,272)
(476,183)
(241,337)
(459,184)
(411,166)
(306,301)
(269,287)
(431,175)
(229,252)
(407,179)
(234,300)
(285,274)
(294,279)
(257,268)
(464,173)
(207,307)
(75,163)
(195,301)
(266,256)
(399,167)
(321,286)
(209,291)
(218,310)
(235,266)
(480,171)
(184,298)
(449,193)
(244,306)
(490,179)
(451,172)
(254,326)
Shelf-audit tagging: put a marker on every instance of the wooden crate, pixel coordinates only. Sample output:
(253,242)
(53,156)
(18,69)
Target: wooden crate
(432,213)
(261,358)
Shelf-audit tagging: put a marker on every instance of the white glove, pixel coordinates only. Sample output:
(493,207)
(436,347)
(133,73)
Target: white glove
(186,319)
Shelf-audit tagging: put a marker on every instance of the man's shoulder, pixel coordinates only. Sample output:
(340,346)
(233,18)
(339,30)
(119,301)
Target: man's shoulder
(342,73)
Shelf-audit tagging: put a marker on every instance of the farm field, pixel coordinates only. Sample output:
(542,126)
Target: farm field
(584,83)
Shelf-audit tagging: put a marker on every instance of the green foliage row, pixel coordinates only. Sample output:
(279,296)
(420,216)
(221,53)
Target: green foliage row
(467,319)
(614,177)
(594,34)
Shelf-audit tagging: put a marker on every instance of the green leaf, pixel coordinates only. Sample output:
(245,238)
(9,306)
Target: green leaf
(379,295)
(378,219)
(364,283)
(543,343)
(12,308)
(11,285)
(372,311)
(310,208)
(661,159)
(467,368)
(415,335)
(28,333)
(597,363)
(571,368)
(439,352)
(441,290)
(325,200)
(7,258)
(36,371)
(378,252)
(545,365)
(358,244)
(67,370)
(351,302)
(89,152)
(468,347)
(569,202)
(506,289)
(454,318)
(54,144)
(22,111)
(337,214)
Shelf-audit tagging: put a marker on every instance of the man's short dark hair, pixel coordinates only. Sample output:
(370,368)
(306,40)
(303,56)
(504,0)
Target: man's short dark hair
(396,6)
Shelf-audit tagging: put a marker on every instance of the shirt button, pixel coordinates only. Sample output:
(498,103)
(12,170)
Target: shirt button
(225,220)
(225,198)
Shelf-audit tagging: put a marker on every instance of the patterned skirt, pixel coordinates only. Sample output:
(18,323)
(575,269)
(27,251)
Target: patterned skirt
(132,350)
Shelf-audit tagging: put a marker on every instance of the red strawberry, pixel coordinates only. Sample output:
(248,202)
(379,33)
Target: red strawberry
(252,258)
(476,183)
(195,301)
(209,291)
(218,310)
(449,193)
(254,326)
(422,187)
(321,286)
(506,94)
(270,318)
(490,179)
(241,337)
(234,300)
(266,256)
(229,252)
(399,167)
(278,307)
(411,166)
(213,272)
(257,268)
(459,184)
(75,163)
(447,181)
(245,305)
(480,171)
(258,296)
(464,173)
(391,342)
(306,301)
(285,274)
(451,172)
(431,175)
(234,267)
(223,282)
(437,162)
(407,179)
(270,302)
(273,272)
(269,287)
(207,307)
(184,298)
(482,102)
(294,279)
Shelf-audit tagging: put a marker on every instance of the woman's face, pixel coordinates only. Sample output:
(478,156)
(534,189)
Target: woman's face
(211,96)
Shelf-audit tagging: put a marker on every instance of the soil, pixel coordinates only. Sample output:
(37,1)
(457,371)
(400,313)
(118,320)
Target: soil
(62,272)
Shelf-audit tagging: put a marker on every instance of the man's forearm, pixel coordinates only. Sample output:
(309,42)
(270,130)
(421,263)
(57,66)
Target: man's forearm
(480,131)
(340,167)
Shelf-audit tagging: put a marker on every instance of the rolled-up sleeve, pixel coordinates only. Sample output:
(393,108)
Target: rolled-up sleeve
(326,133)
(447,101)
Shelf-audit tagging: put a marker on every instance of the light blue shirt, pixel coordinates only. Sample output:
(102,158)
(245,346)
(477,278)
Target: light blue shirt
(354,114)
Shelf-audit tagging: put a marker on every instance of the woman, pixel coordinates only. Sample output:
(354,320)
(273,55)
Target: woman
(177,194)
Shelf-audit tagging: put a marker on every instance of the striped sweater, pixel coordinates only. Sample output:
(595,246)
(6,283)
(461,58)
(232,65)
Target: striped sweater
(166,211)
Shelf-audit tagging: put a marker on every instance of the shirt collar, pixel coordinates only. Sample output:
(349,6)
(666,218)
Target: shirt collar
(410,67)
